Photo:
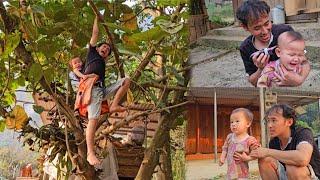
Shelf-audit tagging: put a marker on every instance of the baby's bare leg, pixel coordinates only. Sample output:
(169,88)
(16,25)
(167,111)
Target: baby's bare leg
(90,132)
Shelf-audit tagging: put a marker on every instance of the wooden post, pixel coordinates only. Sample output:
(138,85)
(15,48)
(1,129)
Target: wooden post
(198,128)
(215,127)
(262,122)
(319,107)
(236,4)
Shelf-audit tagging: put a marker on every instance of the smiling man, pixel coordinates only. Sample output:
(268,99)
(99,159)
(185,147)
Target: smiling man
(254,18)
(292,152)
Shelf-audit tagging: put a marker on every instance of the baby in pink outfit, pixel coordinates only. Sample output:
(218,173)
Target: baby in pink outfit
(238,144)
(291,53)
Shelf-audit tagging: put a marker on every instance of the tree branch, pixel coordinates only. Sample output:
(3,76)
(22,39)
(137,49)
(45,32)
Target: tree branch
(151,51)
(170,88)
(189,67)
(131,118)
(3,112)
(145,61)
(9,22)
(8,80)
(113,47)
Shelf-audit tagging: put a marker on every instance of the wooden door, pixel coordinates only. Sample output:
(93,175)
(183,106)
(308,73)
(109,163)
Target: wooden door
(192,126)
(206,133)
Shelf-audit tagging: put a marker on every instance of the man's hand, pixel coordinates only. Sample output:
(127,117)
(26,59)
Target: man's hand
(259,152)
(253,143)
(288,78)
(260,60)
(100,17)
(241,157)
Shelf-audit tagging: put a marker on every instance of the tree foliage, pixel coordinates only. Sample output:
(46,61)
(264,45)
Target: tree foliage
(310,117)
(39,37)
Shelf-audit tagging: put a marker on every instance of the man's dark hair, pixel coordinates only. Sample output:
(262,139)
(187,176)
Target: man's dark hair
(286,111)
(252,10)
(102,43)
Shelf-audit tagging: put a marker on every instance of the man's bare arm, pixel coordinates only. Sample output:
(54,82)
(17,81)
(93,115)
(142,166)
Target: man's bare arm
(95,32)
(299,157)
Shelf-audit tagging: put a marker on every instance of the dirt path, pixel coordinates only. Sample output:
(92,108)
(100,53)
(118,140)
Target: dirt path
(207,169)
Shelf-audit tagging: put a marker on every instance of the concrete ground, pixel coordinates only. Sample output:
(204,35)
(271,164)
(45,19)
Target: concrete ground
(228,70)
(208,169)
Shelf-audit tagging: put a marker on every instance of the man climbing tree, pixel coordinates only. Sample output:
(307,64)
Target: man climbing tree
(95,64)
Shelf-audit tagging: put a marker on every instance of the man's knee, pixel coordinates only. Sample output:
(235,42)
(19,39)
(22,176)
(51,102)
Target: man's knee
(297,172)
(267,162)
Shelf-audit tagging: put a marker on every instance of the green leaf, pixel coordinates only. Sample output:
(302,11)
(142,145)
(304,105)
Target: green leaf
(35,72)
(114,26)
(30,30)
(169,26)
(48,47)
(164,3)
(20,81)
(179,77)
(180,120)
(61,15)
(38,9)
(2,126)
(153,34)
(79,3)
(9,98)
(49,74)
(12,41)
(80,38)
(38,109)
(129,50)
(153,97)
(69,165)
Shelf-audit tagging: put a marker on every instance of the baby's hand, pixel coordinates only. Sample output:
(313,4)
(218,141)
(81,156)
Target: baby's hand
(221,161)
(88,76)
(91,75)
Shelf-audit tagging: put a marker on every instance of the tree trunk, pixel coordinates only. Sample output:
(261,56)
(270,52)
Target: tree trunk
(167,163)
(164,169)
(151,158)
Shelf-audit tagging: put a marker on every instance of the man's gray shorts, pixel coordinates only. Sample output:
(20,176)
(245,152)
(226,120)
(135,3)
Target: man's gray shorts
(98,95)
(283,174)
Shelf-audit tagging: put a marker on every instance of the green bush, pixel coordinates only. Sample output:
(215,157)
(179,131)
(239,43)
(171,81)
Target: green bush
(221,15)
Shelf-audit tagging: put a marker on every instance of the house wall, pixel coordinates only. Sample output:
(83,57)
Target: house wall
(200,128)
